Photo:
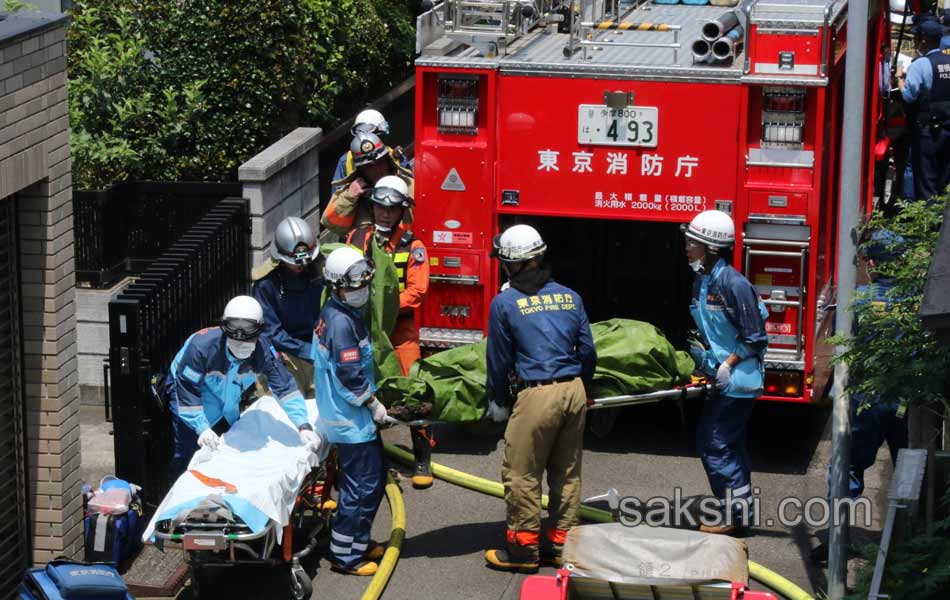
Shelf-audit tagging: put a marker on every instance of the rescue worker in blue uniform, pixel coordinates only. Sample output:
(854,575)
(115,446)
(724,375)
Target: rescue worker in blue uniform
(213,370)
(925,89)
(538,329)
(289,290)
(349,411)
(370,121)
(731,317)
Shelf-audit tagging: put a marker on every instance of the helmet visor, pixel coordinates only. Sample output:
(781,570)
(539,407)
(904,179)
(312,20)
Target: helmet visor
(495,246)
(389,197)
(360,274)
(244,330)
(302,256)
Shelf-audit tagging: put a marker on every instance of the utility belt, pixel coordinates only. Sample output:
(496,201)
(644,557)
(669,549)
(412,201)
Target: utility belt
(523,385)
(931,121)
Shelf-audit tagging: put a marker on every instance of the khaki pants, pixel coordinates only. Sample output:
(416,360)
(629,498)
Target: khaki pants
(302,372)
(545,434)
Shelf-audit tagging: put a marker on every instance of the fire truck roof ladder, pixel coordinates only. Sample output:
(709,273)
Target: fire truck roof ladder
(601,16)
(492,25)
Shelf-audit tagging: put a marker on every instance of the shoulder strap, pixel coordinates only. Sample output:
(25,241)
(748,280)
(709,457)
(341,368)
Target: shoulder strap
(360,237)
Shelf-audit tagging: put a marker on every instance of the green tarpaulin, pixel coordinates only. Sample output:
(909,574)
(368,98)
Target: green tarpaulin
(632,357)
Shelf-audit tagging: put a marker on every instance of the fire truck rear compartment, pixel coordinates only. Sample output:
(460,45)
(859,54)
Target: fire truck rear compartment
(622,269)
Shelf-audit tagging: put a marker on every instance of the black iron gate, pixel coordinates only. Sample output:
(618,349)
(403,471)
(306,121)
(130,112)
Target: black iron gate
(14,549)
(184,290)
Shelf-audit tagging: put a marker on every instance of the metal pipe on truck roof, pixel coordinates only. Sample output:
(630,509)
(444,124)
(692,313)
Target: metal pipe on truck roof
(715,29)
(852,180)
(728,45)
(702,50)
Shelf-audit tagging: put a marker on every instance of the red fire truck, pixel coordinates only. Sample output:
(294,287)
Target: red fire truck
(608,126)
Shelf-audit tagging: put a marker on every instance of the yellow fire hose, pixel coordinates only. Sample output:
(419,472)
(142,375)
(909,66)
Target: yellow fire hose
(391,557)
(494,488)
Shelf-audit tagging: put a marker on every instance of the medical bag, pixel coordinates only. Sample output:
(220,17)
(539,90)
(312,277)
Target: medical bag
(69,580)
(112,527)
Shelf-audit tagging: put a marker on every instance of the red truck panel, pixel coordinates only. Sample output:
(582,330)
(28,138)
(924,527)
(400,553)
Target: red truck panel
(693,165)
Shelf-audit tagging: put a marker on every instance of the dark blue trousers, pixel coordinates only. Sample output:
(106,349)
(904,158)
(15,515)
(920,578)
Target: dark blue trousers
(721,441)
(362,481)
(930,159)
(876,424)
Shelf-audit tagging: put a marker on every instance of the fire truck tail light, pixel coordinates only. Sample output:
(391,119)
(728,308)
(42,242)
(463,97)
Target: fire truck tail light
(458,104)
(783,116)
(783,383)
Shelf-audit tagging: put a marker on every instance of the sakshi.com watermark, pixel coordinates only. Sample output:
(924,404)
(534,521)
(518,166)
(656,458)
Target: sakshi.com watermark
(692,511)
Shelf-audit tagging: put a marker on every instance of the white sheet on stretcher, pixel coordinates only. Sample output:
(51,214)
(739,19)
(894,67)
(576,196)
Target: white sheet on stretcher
(262,456)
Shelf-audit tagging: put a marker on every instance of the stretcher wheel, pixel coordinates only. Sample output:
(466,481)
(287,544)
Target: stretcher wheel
(300,583)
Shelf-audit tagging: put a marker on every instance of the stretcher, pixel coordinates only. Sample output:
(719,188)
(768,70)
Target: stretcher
(262,498)
(696,390)
(612,562)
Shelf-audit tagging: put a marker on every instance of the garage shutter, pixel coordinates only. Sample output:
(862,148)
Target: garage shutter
(13,526)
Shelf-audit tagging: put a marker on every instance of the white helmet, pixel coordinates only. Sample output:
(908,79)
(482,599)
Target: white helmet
(243,318)
(346,267)
(391,190)
(518,243)
(372,121)
(713,228)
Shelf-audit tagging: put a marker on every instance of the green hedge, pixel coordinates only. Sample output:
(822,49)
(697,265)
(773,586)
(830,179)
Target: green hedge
(190,89)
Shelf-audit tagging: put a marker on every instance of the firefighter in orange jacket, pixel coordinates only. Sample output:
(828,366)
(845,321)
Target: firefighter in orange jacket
(390,199)
(349,207)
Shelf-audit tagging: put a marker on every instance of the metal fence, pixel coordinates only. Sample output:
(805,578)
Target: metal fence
(182,291)
(122,229)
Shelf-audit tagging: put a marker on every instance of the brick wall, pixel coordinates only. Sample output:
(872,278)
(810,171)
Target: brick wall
(35,170)
(281,182)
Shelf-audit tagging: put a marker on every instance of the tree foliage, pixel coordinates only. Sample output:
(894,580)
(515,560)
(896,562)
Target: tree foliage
(891,355)
(190,89)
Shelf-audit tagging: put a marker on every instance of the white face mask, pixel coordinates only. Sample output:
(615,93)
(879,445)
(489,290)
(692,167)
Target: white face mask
(241,350)
(357,298)
(697,265)
(383,229)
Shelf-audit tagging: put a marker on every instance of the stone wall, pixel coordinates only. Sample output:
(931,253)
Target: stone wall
(281,182)
(35,171)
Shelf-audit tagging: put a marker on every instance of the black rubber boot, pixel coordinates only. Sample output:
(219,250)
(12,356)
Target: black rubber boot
(422,444)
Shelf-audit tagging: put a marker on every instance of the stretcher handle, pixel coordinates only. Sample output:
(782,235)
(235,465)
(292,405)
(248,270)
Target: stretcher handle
(689,391)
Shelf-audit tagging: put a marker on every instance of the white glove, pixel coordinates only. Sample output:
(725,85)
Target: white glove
(209,439)
(497,412)
(724,375)
(379,411)
(310,438)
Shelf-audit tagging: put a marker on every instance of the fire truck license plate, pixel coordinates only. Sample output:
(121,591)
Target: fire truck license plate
(605,126)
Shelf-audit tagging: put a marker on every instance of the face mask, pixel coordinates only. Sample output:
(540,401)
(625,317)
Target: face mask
(383,229)
(241,350)
(697,265)
(357,298)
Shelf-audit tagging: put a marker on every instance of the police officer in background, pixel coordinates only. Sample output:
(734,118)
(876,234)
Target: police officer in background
(925,89)
(390,200)
(731,317)
(539,329)
(289,290)
(212,371)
